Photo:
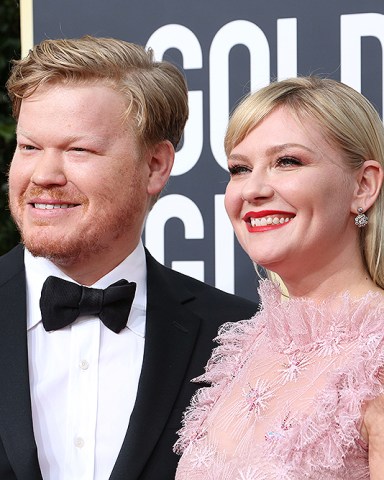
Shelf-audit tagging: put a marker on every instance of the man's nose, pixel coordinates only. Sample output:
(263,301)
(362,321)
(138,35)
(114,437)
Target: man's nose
(49,170)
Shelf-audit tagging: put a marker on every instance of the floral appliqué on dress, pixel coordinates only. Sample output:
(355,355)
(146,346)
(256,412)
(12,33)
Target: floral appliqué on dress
(285,392)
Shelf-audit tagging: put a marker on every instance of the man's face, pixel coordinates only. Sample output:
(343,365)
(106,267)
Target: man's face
(78,182)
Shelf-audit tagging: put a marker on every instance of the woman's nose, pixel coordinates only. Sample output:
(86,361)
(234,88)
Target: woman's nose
(256,188)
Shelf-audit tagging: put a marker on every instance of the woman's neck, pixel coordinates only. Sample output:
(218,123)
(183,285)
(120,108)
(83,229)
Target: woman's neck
(319,287)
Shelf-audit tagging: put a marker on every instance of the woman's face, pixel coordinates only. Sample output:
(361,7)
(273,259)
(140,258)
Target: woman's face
(289,196)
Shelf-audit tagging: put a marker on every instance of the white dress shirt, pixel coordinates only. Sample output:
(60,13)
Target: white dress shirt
(83,378)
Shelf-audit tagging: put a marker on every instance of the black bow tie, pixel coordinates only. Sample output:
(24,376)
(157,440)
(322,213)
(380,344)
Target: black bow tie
(62,302)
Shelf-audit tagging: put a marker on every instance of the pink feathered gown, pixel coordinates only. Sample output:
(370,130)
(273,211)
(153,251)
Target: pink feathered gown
(286,393)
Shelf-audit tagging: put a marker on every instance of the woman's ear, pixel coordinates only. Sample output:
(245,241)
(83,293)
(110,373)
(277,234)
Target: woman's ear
(369,182)
(161,160)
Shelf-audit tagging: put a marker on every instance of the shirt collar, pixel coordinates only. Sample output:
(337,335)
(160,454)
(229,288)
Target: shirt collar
(133,269)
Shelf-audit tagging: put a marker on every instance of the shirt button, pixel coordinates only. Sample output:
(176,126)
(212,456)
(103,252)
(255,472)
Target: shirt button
(84,365)
(79,442)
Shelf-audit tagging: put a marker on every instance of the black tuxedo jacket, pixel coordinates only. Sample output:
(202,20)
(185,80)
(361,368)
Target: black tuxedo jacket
(182,318)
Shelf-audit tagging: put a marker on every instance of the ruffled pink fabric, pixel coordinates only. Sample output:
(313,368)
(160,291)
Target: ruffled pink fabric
(311,431)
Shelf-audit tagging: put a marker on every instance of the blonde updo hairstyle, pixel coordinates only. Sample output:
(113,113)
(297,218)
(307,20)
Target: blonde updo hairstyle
(347,121)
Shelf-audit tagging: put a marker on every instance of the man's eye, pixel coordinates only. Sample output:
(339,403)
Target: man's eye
(27,147)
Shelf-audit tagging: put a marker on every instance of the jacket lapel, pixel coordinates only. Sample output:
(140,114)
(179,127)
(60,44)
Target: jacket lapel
(171,331)
(16,428)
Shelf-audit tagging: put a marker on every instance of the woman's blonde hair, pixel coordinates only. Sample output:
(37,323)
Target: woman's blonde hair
(346,119)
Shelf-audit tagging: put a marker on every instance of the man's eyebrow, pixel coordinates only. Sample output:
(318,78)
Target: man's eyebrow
(68,138)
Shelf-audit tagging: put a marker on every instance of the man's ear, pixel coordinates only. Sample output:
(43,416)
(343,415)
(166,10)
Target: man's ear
(161,158)
(369,182)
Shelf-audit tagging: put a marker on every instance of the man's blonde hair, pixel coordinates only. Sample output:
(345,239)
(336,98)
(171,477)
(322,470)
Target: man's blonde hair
(156,92)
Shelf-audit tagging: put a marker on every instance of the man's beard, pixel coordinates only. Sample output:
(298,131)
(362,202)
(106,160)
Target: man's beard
(62,253)
(81,244)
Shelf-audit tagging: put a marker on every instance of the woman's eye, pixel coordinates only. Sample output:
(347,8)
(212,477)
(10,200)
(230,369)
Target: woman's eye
(288,162)
(238,170)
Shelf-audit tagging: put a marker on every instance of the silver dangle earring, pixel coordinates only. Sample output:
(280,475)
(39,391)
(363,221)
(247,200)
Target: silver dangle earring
(361,219)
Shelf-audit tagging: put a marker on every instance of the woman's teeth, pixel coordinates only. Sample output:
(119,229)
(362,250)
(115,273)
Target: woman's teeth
(262,222)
